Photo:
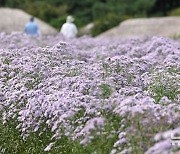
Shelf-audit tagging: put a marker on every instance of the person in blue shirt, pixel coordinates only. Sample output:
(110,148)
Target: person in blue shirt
(32,28)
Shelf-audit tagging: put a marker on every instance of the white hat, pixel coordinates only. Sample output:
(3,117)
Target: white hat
(69,19)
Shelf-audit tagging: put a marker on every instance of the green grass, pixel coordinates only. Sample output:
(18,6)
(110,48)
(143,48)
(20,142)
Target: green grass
(140,138)
(11,141)
(106,90)
(164,85)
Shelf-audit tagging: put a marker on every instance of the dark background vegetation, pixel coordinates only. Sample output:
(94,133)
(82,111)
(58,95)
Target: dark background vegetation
(104,13)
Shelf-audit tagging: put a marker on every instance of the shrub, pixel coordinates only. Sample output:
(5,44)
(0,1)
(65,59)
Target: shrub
(107,22)
(175,12)
(58,22)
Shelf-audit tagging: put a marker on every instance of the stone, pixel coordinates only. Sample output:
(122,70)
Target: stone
(86,30)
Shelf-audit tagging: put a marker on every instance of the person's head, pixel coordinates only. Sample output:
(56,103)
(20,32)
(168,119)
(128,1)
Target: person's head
(32,19)
(69,19)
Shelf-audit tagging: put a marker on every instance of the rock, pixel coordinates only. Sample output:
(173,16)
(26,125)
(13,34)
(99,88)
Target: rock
(86,30)
(160,26)
(15,20)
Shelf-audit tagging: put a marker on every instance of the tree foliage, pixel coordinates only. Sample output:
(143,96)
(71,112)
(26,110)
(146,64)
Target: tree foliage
(99,11)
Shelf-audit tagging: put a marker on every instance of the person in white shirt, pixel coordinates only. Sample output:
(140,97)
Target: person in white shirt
(69,29)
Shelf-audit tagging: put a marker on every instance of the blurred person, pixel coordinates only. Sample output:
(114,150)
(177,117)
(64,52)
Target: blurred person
(31,28)
(69,29)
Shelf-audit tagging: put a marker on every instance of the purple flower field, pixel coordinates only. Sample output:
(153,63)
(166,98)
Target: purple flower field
(89,95)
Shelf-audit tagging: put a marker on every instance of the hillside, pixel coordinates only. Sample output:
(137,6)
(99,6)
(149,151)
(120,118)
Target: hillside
(15,20)
(161,26)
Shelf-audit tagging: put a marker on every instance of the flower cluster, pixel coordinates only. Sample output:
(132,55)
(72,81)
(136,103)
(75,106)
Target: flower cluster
(85,88)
